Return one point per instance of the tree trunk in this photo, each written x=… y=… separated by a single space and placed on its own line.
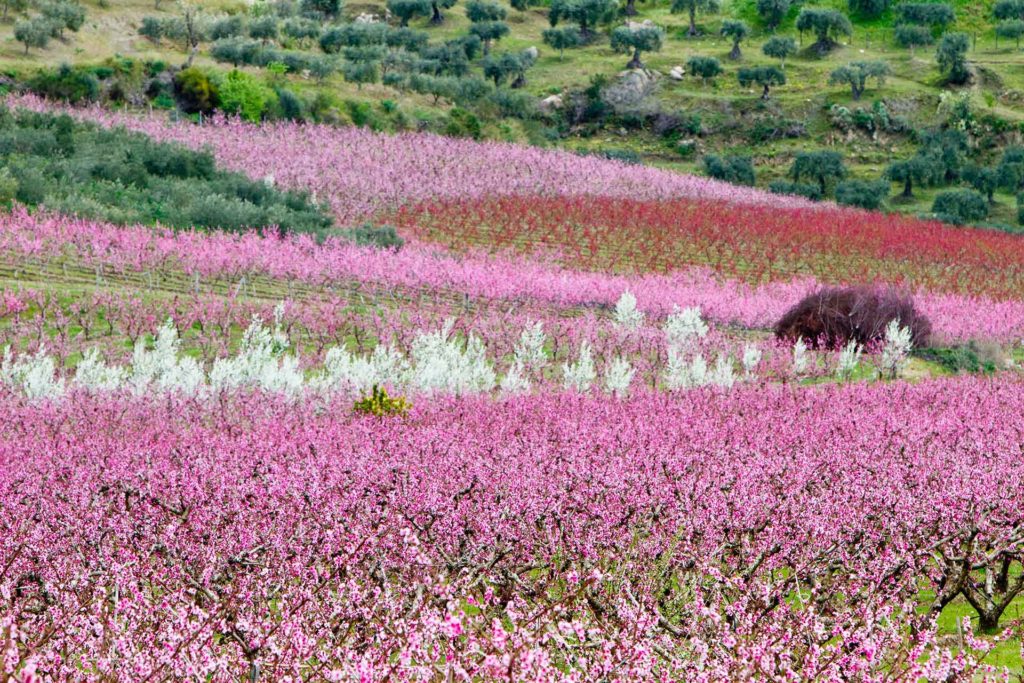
x=635 y=63
x=693 y=20
x=735 y=52
x=764 y=95
x=908 y=188
x=630 y=10
x=519 y=82
x=436 y=17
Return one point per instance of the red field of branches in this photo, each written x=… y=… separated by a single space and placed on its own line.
x=756 y=244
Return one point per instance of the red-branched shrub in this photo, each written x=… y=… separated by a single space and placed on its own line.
x=833 y=316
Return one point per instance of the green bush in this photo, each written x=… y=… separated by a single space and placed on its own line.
x=862 y=194
x=195 y=91
x=738 y=170
x=244 y=95
x=370 y=235
x=72 y=84
x=960 y=206
x=812 y=192
x=463 y=124
x=124 y=177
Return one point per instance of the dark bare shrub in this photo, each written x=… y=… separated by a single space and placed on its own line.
x=833 y=316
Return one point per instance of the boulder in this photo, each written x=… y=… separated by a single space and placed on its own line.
x=551 y=104
x=676 y=73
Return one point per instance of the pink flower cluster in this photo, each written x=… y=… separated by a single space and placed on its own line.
x=48 y=240
x=768 y=534
x=359 y=172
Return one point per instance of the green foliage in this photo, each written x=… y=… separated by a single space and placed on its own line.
x=1011 y=169
x=71 y=84
x=868 y=8
x=334 y=39
x=780 y=48
x=301 y=29
x=958 y=359
x=485 y=10
x=361 y=71
x=960 y=206
x=932 y=14
x=242 y=94
x=772 y=12
x=1008 y=9
x=637 y=39
x=952 y=57
x=983 y=179
x=586 y=14
x=812 y=192
x=463 y=124
x=264 y=28
x=737 y=31
x=489 y=31
x=152 y=28
x=377 y=236
x=908 y=172
x=764 y=76
x=379 y=404
x=227 y=27
x=692 y=7
x=563 y=38
x=35 y=32
x=195 y=91
x=827 y=24
x=1012 y=29
x=63 y=15
x=911 y=36
x=503 y=67
x=326 y=8
x=8 y=187
x=856 y=74
x=824 y=167
x=704 y=68
x=124 y=177
x=406 y=10
x=738 y=170
x=862 y=194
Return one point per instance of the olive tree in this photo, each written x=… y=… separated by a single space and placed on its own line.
x=908 y=35
x=737 y=31
x=763 y=76
x=584 y=13
x=738 y=170
x=822 y=167
x=692 y=7
x=908 y=172
x=406 y=10
x=952 y=57
x=772 y=12
x=856 y=75
x=704 y=68
x=34 y=32
x=826 y=24
x=1012 y=29
x=960 y=206
x=780 y=47
x=637 y=39
x=562 y=39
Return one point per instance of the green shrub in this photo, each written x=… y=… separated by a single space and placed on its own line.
x=378 y=236
x=378 y=403
x=195 y=91
x=738 y=170
x=862 y=194
x=812 y=192
x=72 y=84
x=124 y=177
x=244 y=95
x=463 y=124
x=960 y=206
x=958 y=359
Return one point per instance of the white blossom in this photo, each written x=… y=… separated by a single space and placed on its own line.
x=849 y=358
x=514 y=381
x=34 y=375
x=897 y=348
x=581 y=374
x=801 y=359
x=161 y=367
x=627 y=315
x=751 y=357
x=683 y=326
x=440 y=363
x=93 y=374
x=529 y=351
x=618 y=376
